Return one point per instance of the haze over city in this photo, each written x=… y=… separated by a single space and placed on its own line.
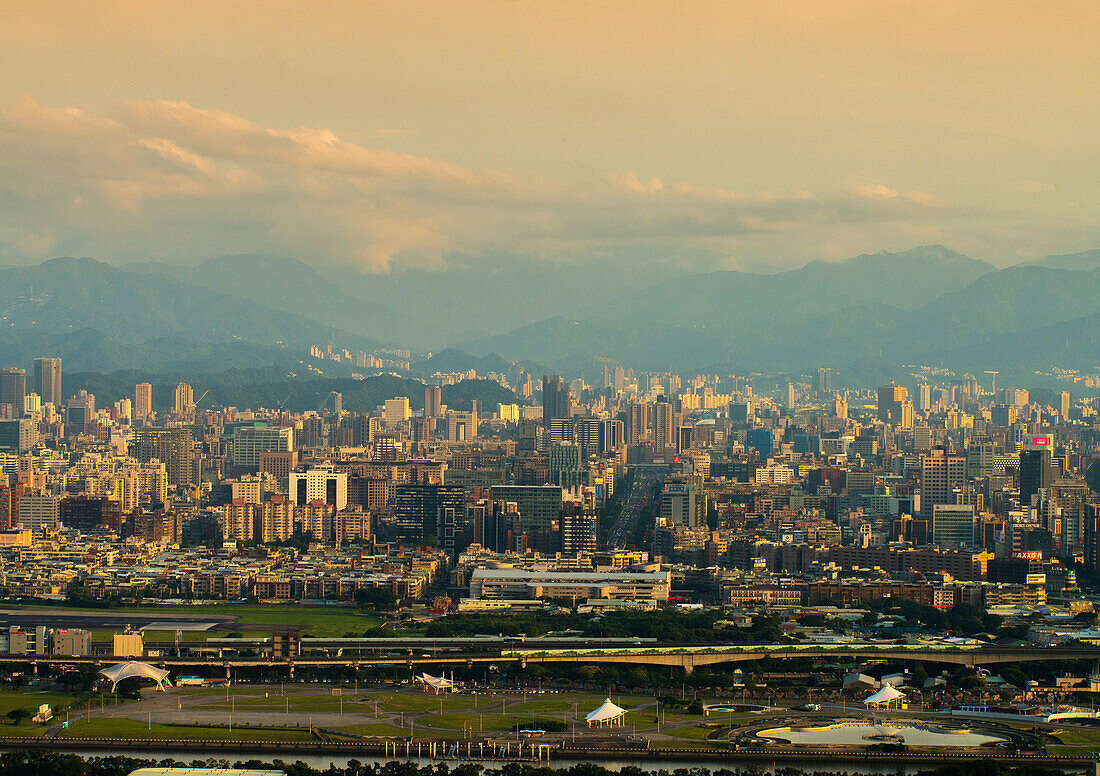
x=503 y=388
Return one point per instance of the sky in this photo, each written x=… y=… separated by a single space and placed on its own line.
x=393 y=134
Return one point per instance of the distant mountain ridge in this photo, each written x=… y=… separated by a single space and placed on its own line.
x=483 y=313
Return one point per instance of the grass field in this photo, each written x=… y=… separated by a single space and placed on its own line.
x=129 y=728
x=1076 y=742
x=31 y=700
x=394 y=702
x=317 y=621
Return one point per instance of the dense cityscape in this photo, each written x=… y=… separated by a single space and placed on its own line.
x=549 y=388
x=928 y=544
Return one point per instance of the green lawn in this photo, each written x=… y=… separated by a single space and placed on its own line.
x=26 y=730
x=31 y=699
x=129 y=728
x=548 y=706
x=1076 y=742
x=694 y=733
x=394 y=702
x=258 y=620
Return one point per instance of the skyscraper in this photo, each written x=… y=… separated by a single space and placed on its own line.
x=433 y=401
x=47 y=380
x=555 y=399
x=183 y=399
x=823 y=381
x=174 y=447
x=143 y=401
x=941 y=473
x=13 y=391
x=1034 y=471
x=664 y=424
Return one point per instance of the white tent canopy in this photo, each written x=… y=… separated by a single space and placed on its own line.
x=884 y=697
x=435 y=683
x=607 y=714
x=120 y=671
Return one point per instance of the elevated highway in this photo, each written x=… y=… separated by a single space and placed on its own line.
x=686 y=657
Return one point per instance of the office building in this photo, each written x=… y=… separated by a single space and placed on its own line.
x=823 y=382
x=13 y=391
x=47 y=380
x=143 y=401
x=890 y=400
x=461 y=426
x=494 y=524
x=416 y=508
x=79 y=412
x=396 y=411
x=174 y=447
x=539 y=505
x=941 y=474
x=433 y=401
x=683 y=505
x=38 y=511
x=953 y=526
x=319 y=483
x=555 y=399
x=1035 y=471
x=18 y=436
x=248 y=443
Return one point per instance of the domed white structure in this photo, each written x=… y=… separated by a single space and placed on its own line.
x=120 y=671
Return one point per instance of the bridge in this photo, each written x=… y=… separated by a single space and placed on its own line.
x=686 y=657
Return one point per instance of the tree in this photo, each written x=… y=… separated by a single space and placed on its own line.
x=377 y=598
x=17 y=716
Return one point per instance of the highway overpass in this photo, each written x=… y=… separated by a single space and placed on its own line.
x=686 y=657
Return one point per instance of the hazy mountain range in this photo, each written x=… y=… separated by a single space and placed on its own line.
x=926 y=305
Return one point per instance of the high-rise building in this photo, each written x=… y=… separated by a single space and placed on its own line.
x=174 y=447
x=13 y=392
x=319 y=483
x=433 y=401
x=47 y=380
x=683 y=505
x=637 y=423
x=953 y=525
x=890 y=399
x=397 y=411
x=823 y=382
x=494 y=524
x=18 y=436
x=416 y=508
x=924 y=398
x=249 y=442
x=143 y=401
x=183 y=399
x=941 y=474
x=1064 y=405
x=555 y=399
x=664 y=424
x=1034 y=471
x=790 y=396
x=79 y=412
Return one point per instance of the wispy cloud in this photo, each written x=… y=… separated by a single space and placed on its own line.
x=162 y=179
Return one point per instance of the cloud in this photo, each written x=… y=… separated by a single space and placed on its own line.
x=165 y=180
